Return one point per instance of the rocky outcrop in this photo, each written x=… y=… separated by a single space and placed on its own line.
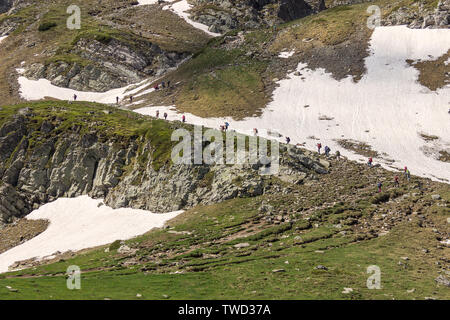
x=418 y=17
x=42 y=163
x=5 y=5
x=108 y=64
x=223 y=16
x=10 y=7
x=336 y=3
x=415 y=15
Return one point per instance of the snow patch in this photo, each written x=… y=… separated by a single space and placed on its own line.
x=81 y=223
x=3 y=38
x=39 y=89
x=181 y=8
x=148 y=2
x=286 y=54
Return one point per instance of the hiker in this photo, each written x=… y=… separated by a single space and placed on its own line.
x=183 y=118
x=288 y=140
x=369 y=163
x=131 y=99
x=255 y=131
x=338 y=155
x=156 y=87
x=327 y=151
x=379 y=186
x=226 y=125
x=319 y=146
x=117 y=100
x=408 y=175
x=165 y=115
x=168 y=83
x=163 y=84
x=222 y=127
x=396 y=183
x=74 y=97
x=157 y=113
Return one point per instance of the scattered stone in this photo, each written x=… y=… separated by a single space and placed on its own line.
x=242 y=245
x=165 y=296
x=139 y=295
x=179 y=232
x=347 y=290
x=411 y=291
x=321 y=267
x=436 y=197
x=443 y=280
x=278 y=270
x=124 y=249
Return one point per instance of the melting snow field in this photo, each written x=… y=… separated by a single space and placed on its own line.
x=79 y=223
x=386 y=109
x=3 y=38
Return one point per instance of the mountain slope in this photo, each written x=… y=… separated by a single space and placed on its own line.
x=254 y=245
x=309 y=70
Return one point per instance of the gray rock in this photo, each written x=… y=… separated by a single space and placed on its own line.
x=69 y=164
x=321 y=267
x=443 y=280
x=242 y=245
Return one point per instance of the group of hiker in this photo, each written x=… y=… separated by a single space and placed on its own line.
x=224 y=127
x=164 y=115
x=157 y=87
x=327 y=150
x=163 y=85
x=406 y=173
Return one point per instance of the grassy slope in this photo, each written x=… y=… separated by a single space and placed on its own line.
x=200 y=242
x=251 y=277
x=214 y=269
